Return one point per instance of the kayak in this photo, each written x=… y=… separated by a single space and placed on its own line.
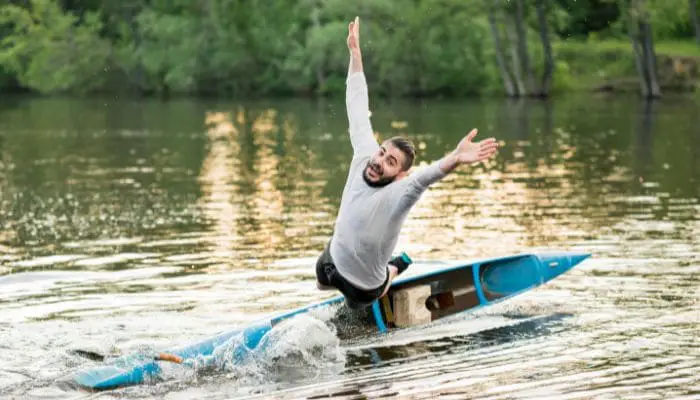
x=420 y=296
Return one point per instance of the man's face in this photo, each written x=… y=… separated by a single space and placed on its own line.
x=385 y=166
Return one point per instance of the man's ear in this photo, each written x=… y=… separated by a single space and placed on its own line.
x=402 y=175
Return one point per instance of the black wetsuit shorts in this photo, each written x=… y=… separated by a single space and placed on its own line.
x=327 y=274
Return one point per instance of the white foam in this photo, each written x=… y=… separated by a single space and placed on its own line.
x=301 y=347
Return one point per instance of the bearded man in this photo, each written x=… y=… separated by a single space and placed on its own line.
x=377 y=196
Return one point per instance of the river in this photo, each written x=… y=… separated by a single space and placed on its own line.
x=141 y=224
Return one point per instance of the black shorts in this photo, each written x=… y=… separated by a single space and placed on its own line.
x=327 y=274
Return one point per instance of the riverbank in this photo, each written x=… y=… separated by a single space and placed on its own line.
x=609 y=66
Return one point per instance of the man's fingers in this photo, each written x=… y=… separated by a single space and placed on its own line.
x=354 y=30
x=355 y=27
x=486 y=154
x=352 y=38
x=488 y=147
x=471 y=134
x=488 y=150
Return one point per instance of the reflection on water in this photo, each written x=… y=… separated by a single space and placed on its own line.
x=220 y=169
x=125 y=225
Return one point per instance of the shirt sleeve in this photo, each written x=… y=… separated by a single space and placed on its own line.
x=357 y=103
x=424 y=177
x=413 y=186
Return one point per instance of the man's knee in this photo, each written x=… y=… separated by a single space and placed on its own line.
x=321 y=286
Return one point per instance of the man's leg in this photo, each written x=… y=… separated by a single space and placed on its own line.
x=321 y=286
x=396 y=266
x=324 y=268
x=393 y=272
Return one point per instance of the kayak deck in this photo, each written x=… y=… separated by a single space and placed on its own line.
x=466 y=287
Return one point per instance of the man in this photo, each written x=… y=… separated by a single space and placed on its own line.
x=377 y=197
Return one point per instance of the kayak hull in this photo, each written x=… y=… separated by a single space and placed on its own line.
x=453 y=288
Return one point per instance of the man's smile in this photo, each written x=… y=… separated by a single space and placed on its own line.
x=372 y=172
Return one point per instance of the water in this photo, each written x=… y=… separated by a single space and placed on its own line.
x=139 y=225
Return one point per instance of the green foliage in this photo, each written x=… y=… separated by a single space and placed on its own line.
x=670 y=18
x=587 y=16
x=49 y=51
x=169 y=53
x=280 y=47
x=565 y=79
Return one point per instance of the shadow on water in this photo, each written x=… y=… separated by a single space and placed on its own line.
x=529 y=328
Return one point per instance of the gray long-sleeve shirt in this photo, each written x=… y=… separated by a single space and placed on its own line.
x=369 y=220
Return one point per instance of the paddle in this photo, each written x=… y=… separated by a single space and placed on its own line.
x=94 y=356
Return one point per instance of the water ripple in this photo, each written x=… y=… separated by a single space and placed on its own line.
x=153 y=233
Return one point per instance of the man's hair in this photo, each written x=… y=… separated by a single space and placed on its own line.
x=407 y=148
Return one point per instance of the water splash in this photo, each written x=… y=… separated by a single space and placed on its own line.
x=297 y=349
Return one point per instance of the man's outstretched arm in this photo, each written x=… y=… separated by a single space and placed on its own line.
x=357 y=98
x=466 y=152
x=469 y=152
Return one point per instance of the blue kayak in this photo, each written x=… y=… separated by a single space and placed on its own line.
x=413 y=299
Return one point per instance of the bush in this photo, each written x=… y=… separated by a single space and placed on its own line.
x=50 y=52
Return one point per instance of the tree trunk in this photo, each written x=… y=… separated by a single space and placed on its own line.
x=500 y=56
x=694 y=18
x=633 y=33
x=139 y=74
x=515 y=61
x=639 y=61
x=521 y=40
x=650 y=58
x=315 y=20
x=548 y=73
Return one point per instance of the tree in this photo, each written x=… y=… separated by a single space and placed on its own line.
x=521 y=46
x=640 y=33
x=316 y=22
x=498 y=47
x=49 y=51
x=519 y=78
x=548 y=72
x=694 y=18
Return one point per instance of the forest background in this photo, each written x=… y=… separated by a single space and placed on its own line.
x=413 y=48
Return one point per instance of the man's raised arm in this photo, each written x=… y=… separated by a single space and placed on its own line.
x=357 y=98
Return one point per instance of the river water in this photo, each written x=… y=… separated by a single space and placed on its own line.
x=129 y=226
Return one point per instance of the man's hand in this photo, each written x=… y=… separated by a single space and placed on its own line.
x=468 y=152
x=354 y=45
x=354 y=35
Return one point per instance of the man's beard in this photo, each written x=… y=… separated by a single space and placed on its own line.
x=378 y=184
